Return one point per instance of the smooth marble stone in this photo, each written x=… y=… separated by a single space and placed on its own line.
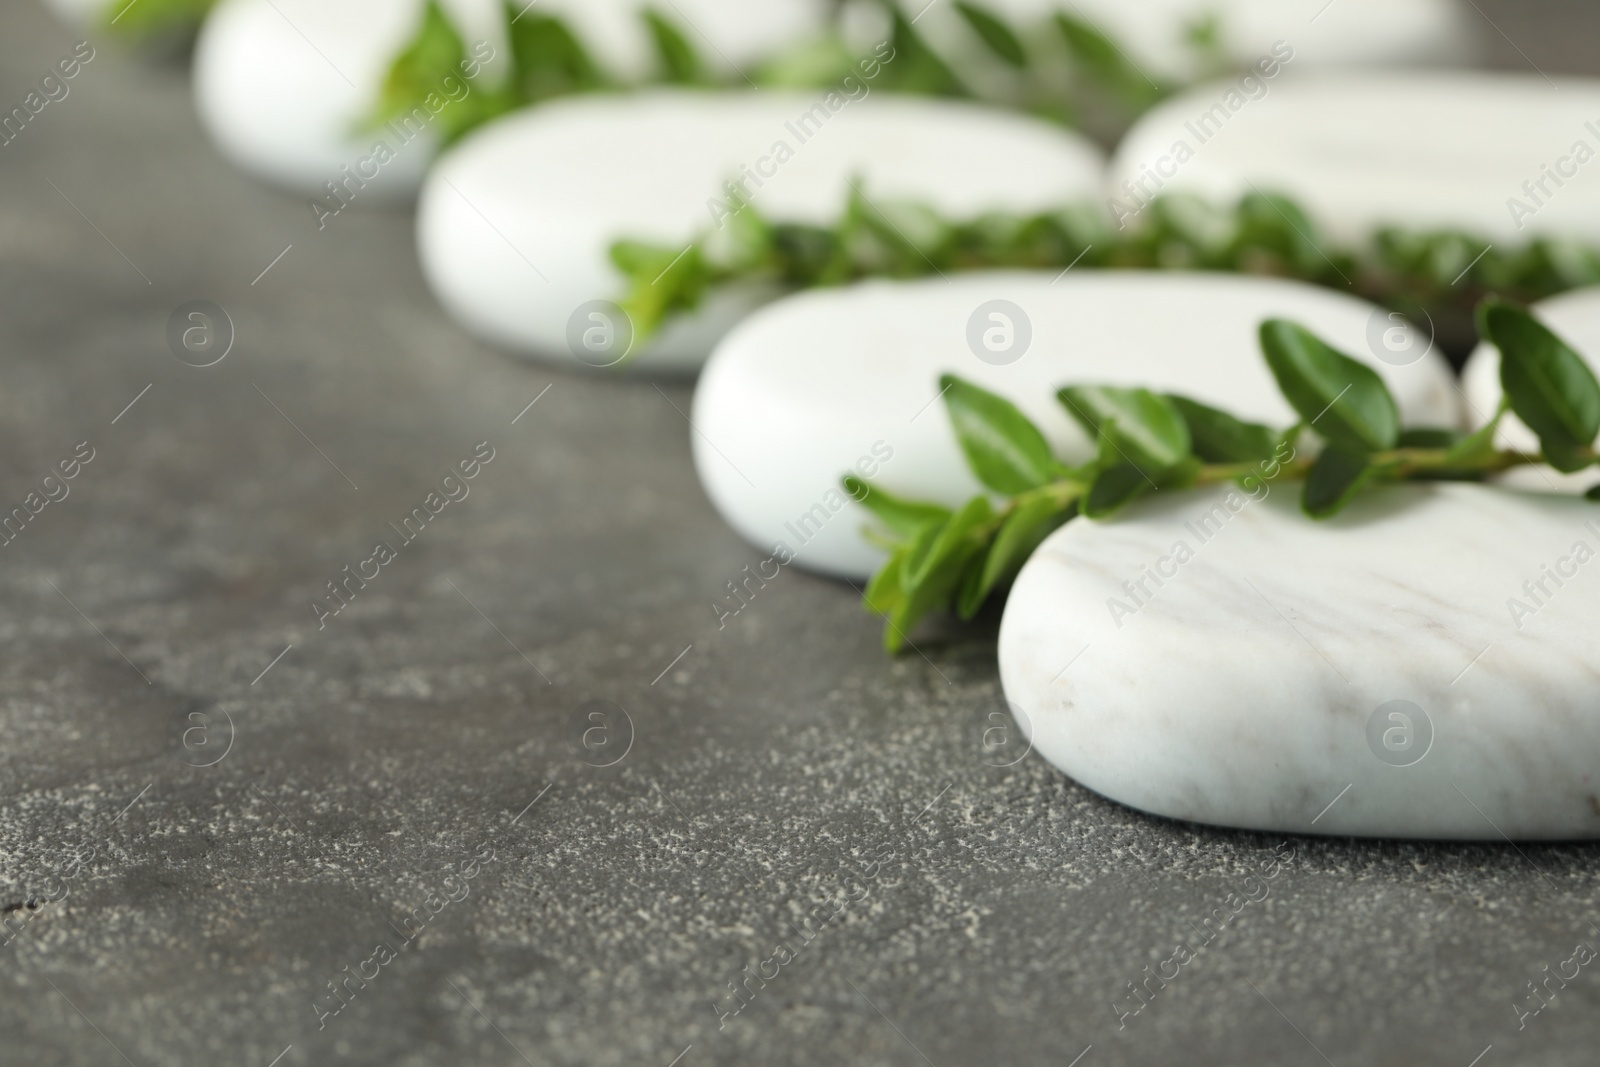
x=1153 y=32
x=1359 y=151
x=284 y=85
x=1575 y=317
x=1253 y=688
x=516 y=224
x=807 y=389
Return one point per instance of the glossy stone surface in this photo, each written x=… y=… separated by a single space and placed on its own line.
x=1216 y=656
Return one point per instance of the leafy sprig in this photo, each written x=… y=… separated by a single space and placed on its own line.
x=1433 y=275
x=1348 y=438
x=1066 y=70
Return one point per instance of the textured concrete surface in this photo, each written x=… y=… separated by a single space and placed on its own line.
x=192 y=850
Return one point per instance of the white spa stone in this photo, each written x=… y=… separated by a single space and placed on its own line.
x=1253 y=688
x=1575 y=317
x=515 y=225
x=283 y=85
x=804 y=390
x=1358 y=151
x=1347 y=33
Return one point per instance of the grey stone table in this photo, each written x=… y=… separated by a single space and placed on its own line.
x=585 y=824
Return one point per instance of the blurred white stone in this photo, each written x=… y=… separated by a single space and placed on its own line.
x=516 y=224
x=804 y=390
x=1398 y=671
x=284 y=86
x=1358 y=151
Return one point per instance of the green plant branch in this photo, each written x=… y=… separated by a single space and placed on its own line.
x=1433 y=276
x=1146 y=442
x=1062 y=69
x=1400 y=464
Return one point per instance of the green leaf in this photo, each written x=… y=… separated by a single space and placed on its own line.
x=1113 y=489
x=884 y=592
x=434 y=53
x=1550 y=387
x=1335 y=478
x=1479 y=444
x=547 y=58
x=1146 y=428
x=930 y=569
x=940 y=548
x=913 y=67
x=803 y=252
x=902 y=517
x=1000 y=38
x=680 y=63
x=1565 y=458
x=1004 y=449
x=1593 y=493
x=1343 y=400
x=1021 y=532
x=662 y=281
x=1106 y=64
x=1220 y=437
x=1272 y=224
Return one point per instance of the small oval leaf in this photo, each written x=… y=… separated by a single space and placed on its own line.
x=680 y=63
x=902 y=517
x=1000 y=38
x=1340 y=398
x=1220 y=437
x=1549 y=385
x=1021 y=532
x=1146 y=429
x=1114 y=489
x=1004 y=449
x=1334 y=480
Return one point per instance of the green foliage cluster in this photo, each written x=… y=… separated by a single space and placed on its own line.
x=1438 y=276
x=548 y=59
x=941 y=558
x=1068 y=71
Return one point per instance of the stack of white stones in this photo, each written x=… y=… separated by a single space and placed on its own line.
x=1416 y=667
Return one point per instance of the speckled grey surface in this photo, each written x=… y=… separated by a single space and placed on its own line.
x=779 y=771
